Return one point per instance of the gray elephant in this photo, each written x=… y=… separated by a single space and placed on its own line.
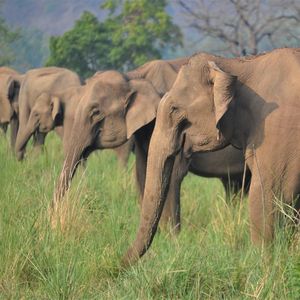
x=47 y=100
x=10 y=81
x=114 y=107
x=251 y=103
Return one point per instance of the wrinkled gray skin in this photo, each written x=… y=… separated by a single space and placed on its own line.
x=252 y=103
x=115 y=107
x=10 y=81
x=47 y=100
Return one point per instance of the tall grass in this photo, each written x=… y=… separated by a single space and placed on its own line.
x=212 y=257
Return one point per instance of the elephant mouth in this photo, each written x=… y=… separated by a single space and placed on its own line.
x=4 y=123
x=87 y=151
x=4 y=126
x=45 y=129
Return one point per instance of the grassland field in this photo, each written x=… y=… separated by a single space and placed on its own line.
x=211 y=258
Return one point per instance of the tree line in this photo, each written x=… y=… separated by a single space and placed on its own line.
x=136 y=31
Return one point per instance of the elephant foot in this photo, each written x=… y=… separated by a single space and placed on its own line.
x=169 y=226
x=20 y=155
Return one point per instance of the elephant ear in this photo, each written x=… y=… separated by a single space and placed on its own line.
x=224 y=85
x=56 y=107
x=13 y=89
x=141 y=105
x=159 y=72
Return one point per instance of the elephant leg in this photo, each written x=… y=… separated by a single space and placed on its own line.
x=4 y=128
x=297 y=211
x=231 y=186
x=140 y=168
x=140 y=146
x=261 y=210
x=14 y=127
x=234 y=185
x=39 y=140
x=171 y=211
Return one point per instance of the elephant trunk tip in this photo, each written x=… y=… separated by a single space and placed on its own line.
x=61 y=189
x=137 y=250
x=130 y=258
x=20 y=155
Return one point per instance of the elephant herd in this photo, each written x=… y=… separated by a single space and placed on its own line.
x=234 y=119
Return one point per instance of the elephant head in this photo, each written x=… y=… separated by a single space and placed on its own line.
x=194 y=116
x=9 y=91
x=43 y=117
x=45 y=113
x=111 y=109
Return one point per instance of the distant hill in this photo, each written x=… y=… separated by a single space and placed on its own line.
x=40 y=19
x=52 y=17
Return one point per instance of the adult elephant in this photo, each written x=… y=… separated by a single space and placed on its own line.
x=251 y=103
x=10 y=81
x=116 y=106
x=47 y=100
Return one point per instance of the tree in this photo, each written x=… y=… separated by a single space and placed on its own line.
x=141 y=30
x=7 y=37
x=84 y=48
x=134 y=32
x=291 y=30
x=239 y=27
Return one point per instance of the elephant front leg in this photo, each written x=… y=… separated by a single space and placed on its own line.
x=233 y=186
x=4 y=129
x=14 y=127
x=140 y=170
x=171 y=211
x=261 y=211
x=39 y=140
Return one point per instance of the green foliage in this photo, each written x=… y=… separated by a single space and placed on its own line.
x=7 y=37
x=83 y=49
x=138 y=33
x=211 y=258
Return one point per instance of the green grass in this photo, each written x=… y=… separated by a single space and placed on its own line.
x=212 y=257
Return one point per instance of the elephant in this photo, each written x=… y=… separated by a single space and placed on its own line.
x=47 y=100
x=116 y=106
x=251 y=103
x=10 y=81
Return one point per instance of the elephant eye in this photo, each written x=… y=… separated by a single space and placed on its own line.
x=96 y=115
x=95 y=112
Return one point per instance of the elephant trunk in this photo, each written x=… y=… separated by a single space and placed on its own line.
x=22 y=140
x=14 y=127
x=159 y=168
x=72 y=160
x=75 y=148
